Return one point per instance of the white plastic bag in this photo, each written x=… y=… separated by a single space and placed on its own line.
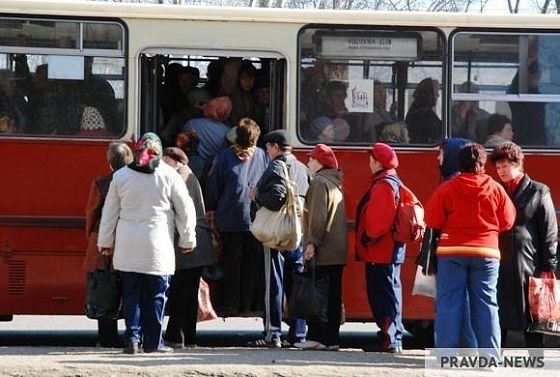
x=424 y=285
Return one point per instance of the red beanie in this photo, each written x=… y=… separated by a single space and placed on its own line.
x=385 y=155
x=325 y=156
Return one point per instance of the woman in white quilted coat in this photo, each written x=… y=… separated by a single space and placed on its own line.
x=146 y=201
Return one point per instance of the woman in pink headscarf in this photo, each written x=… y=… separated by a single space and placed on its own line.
x=146 y=202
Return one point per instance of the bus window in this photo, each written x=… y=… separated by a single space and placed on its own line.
x=512 y=74
x=361 y=86
x=55 y=84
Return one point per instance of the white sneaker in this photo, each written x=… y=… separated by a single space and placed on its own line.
x=310 y=345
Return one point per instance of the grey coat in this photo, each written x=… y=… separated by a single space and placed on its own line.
x=526 y=250
x=204 y=254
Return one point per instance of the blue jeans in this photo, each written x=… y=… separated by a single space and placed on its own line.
x=144 y=298
x=476 y=277
x=468 y=338
x=384 y=289
x=276 y=293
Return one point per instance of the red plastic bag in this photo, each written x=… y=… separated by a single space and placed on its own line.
x=544 y=304
x=205 y=309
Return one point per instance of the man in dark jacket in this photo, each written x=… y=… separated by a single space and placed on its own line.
x=271 y=192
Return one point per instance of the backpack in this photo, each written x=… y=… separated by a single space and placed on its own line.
x=409 y=224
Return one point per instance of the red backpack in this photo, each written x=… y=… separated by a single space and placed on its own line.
x=409 y=222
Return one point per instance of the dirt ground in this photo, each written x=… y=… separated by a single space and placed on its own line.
x=78 y=362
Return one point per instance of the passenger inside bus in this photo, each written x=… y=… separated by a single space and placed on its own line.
x=326 y=130
x=499 y=130
x=196 y=99
x=468 y=120
x=394 y=133
x=214 y=74
x=380 y=116
x=179 y=82
x=243 y=102
x=14 y=108
x=261 y=94
x=43 y=103
x=525 y=113
x=95 y=91
x=228 y=81
x=211 y=132
x=423 y=123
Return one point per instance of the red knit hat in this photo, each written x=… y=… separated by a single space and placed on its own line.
x=385 y=155
x=325 y=156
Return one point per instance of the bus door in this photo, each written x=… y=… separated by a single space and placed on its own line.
x=176 y=84
x=62 y=99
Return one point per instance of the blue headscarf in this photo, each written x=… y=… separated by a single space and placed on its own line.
x=451 y=148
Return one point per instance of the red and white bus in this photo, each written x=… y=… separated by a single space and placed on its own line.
x=58 y=59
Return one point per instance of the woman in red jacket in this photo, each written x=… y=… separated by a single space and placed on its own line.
x=470 y=209
x=376 y=246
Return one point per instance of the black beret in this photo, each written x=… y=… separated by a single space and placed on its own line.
x=280 y=137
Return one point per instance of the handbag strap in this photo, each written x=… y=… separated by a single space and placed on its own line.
x=291 y=202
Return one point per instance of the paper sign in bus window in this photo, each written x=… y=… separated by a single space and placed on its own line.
x=359 y=98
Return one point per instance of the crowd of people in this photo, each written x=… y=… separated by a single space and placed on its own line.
x=165 y=215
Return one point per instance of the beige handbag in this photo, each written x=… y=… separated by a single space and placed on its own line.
x=279 y=230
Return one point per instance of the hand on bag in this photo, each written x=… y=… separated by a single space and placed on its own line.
x=309 y=252
x=106 y=251
x=253 y=193
x=185 y=250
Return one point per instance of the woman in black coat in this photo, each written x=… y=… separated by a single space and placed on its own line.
x=529 y=248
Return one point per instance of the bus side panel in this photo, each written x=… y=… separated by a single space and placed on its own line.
x=42 y=238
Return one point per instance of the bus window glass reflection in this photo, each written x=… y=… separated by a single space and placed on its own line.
x=513 y=74
x=366 y=79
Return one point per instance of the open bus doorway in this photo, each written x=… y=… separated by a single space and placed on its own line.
x=174 y=91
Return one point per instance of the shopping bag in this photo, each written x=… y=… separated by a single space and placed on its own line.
x=104 y=293
x=279 y=230
x=310 y=296
x=205 y=309
x=424 y=285
x=544 y=304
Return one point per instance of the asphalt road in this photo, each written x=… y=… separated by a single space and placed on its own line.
x=78 y=331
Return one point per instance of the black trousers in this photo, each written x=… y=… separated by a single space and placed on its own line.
x=243 y=262
x=532 y=339
x=108 y=333
x=183 y=306
x=328 y=332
